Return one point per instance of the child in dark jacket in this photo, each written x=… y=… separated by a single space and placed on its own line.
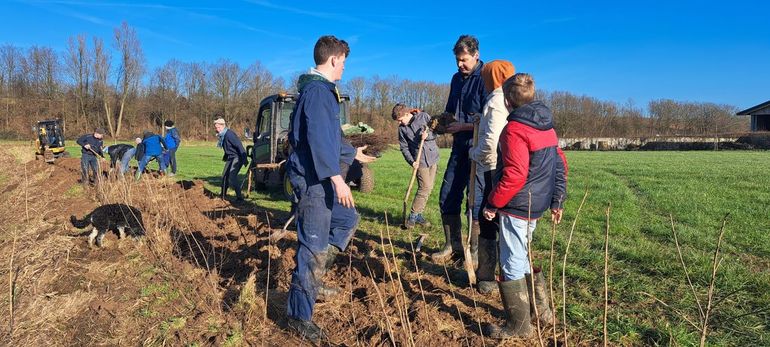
x=531 y=178
x=173 y=140
x=412 y=129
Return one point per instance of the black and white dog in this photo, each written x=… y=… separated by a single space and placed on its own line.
x=121 y=218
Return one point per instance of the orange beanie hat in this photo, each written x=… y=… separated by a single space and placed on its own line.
x=495 y=72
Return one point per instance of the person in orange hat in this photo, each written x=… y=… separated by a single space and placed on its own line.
x=493 y=119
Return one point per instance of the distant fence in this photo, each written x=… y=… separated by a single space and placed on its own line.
x=726 y=141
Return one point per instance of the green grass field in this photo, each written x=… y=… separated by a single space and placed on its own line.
x=644 y=189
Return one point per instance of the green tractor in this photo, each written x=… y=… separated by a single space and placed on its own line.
x=268 y=154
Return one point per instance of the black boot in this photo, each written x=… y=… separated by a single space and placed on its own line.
x=452 y=239
x=516 y=304
x=307 y=330
x=485 y=273
x=327 y=292
x=540 y=298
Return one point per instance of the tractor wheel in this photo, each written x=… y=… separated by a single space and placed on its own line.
x=367 y=179
x=65 y=154
x=288 y=191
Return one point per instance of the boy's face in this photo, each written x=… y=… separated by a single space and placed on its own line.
x=98 y=136
x=466 y=62
x=338 y=67
x=404 y=120
x=219 y=127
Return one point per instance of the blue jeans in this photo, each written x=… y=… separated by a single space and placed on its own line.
x=514 y=234
x=230 y=177
x=456 y=177
x=145 y=160
x=125 y=160
x=321 y=221
x=88 y=161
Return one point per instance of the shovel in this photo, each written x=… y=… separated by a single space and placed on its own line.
x=411 y=182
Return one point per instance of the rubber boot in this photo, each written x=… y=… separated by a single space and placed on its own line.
x=327 y=292
x=516 y=305
x=307 y=330
x=452 y=239
x=475 y=243
x=540 y=298
x=485 y=273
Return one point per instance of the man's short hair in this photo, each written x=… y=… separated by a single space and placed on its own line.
x=519 y=89
x=328 y=46
x=466 y=44
x=99 y=131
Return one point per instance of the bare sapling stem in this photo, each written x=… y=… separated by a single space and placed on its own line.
x=400 y=283
x=714 y=268
x=550 y=276
x=606 y=272
x=564 y=270
x=684 y=267
x=382 y=305
x=532 y=269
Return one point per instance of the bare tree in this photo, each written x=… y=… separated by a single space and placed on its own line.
x=78 y=63
x=130 y=69
x=9 y=61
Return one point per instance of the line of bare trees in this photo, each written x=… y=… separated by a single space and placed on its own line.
x=97 y=83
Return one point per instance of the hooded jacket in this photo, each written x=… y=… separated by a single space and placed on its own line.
x=153 y=144
x=315 y=132
x=494 y=114
x=529 y=161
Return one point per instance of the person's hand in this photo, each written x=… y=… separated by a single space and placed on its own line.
x=87 y=146
x=363 y=158
x=424 y=134
x=556 y=215
x=344 y=196
x=489 y=213
x=416 y=164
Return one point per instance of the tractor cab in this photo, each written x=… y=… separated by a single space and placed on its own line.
x=270 y=150
x=49 y=140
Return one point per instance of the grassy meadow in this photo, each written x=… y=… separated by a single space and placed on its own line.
x=650 y=301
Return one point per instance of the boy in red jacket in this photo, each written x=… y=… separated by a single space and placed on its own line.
x=531 y=178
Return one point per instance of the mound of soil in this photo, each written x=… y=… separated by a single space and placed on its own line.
x=207 y=273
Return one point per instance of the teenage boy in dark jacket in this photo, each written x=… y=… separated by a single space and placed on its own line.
x=466 y=102
x=173 y=140
x=326 y=215
x=153 y=149
x=531 y=177
x=91 y=146
x=234 y=157
x=413 y=129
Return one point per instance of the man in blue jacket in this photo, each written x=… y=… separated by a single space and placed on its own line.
x=153 y=149
x=326 y=214
x=173 y=140
x=235 y=157
x=466 y=101
x=91 y=146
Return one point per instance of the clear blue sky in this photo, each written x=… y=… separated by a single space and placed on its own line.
x=683 y=50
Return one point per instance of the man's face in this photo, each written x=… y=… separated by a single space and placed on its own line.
x=466 y=62
x=338 y=66
x=219 y=127
x=98 y=136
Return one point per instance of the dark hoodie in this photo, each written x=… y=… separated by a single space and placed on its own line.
x=315 y=130
x=529 y=161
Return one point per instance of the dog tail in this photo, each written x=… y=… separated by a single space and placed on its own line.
x=80 y=224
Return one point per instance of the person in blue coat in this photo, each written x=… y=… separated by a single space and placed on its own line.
x=466 y=102
x=235 y=157
x=153 y=149
x=326 y=214
x=91 y=147
x=173 y=140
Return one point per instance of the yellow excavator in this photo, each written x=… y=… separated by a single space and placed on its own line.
x=49 y=142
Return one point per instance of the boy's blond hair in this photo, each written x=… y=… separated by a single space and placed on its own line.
x=519 y=89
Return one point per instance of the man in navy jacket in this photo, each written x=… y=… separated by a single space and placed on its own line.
x=234 y=158
x=466 y=101
x=326 y=216
x=91 y=146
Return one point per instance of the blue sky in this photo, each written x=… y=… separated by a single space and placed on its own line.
x=683 y=50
